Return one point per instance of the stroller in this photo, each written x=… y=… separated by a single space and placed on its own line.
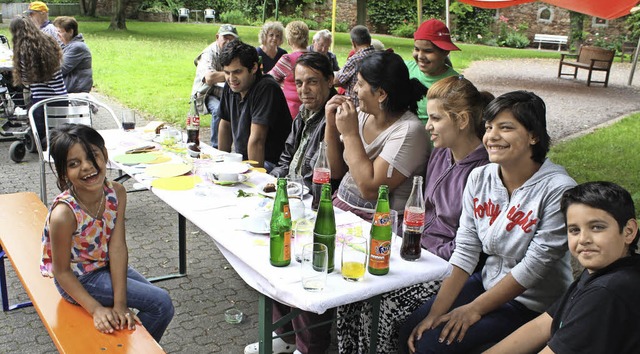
x=13 y=112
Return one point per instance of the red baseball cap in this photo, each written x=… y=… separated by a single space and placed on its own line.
x=437 y=32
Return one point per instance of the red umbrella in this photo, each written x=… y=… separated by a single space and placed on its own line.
x=598 y=8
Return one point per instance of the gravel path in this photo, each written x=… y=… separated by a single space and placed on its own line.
x=572 y=106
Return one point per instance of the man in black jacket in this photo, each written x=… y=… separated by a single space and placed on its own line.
x=314 y=80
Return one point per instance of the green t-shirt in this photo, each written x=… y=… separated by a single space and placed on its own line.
x=414 y=71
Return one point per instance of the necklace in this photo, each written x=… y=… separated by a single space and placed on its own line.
x=97 y=208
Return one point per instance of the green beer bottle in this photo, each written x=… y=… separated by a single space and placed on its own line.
x=380 y=235
x=324 y=230
x=280 y=228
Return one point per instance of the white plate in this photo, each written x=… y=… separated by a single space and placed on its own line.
x=291 y=189
x=256 y=225
x=241 y=178
x=229 y=167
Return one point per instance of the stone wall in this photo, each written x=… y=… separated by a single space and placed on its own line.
x=559 y=23
x=155 y=16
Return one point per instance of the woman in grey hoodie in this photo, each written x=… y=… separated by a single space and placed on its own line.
x=76 y=57
x=511 y=212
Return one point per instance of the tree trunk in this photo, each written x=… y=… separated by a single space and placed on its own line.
x=576 y=35
x=118 y=20
x=91 y=10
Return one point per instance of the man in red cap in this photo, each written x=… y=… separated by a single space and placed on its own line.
x=431 y=47
x=38 y=12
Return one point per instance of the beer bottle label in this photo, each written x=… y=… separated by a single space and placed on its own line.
x=381 y=219
x=286 y=212
x=414 y=217
x=379 y=255
x=287 y=245
x=321 y=175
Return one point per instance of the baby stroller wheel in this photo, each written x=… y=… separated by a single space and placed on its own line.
x=17 y=151
x=29 y=142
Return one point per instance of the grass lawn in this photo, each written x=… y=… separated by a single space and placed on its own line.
x=150 y=68
x=608 y=154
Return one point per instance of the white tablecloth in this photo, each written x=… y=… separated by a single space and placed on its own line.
x=220 y=214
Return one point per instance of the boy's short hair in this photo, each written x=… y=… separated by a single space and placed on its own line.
x=530 y=111
x=247 y=54
x=606 y=196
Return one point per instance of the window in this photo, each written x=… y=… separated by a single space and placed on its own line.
x=545 y=15
x=599 y=22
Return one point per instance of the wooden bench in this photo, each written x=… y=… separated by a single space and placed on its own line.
x=627 y=48
x=589 y=58
x=22 y=217
x=550 y=39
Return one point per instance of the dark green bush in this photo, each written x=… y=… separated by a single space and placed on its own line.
x=235 y=17
x=405 y=30
x=516 y=40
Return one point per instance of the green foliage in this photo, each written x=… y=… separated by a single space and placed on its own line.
x=385 y=15
x=405 y=30
x=516 y=40
x=158 y=6
x=340 y=26
x=606 y=42
x=313 y=25
x=633 y=26
x=235 y=17
x=471 y=24
x=512 y=36
x=596 y=157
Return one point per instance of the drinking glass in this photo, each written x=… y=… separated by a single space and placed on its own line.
x=303 y=235
x=314 y=266
x=295 y=191
x=354 y=258
x=128 y=119
x=395 y=236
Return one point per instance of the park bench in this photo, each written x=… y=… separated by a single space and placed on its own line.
x=550 y=39
x=627 y=48
x=589 y=58
x=22 y=217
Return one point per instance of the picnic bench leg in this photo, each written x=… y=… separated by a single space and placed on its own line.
x=182 y=252
x=265 y=324
x=3 y=288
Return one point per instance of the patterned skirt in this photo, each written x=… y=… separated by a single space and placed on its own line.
x=354 y=320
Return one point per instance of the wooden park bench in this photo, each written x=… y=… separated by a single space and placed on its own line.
x=627 y=48
x=550 y=39
x=22 y=217
x=589 y=58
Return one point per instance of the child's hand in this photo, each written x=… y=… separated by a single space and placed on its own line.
x=105 y=320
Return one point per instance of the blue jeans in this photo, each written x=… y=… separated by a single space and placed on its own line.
x=153 y=303
x=213 y=103
x=491 y=328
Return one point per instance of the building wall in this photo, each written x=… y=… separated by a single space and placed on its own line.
x=560 y=23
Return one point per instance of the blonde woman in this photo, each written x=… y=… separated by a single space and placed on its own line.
x=270 y=37
x=297 y=34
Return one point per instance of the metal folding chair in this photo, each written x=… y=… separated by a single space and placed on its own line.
x=183 y=12
x=210 y=14
x=65 y=109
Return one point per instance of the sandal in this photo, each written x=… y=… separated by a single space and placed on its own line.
x=279 y=347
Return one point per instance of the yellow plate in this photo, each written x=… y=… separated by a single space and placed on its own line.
x=167 y=170
x=180 y=183
x=134 y=159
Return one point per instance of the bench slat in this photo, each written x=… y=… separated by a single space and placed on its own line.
x=22 y=217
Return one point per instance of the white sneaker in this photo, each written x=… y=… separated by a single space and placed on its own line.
x=279 y=347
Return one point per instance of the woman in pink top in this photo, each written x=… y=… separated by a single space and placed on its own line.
x=83 y=243
x=297 y=34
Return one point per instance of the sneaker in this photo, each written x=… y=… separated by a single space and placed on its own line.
x=279 y=347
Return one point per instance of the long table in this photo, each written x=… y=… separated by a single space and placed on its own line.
x=220 y=214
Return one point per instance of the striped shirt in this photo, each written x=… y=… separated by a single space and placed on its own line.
x=51 y=88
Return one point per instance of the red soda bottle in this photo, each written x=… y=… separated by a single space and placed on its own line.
x=193 y=127
x=321 y=174
x=413 y=223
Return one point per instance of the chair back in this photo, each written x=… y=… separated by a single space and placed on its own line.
x=209 y=13
x=183 y=12
x=75 y=108
x=603 y=57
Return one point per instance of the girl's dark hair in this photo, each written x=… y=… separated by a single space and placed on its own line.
x=387 y=71
x=36 y=55
x=247 y=54
x=63 y=138
x=458 y=95
x=530 y=111
x=606 y=196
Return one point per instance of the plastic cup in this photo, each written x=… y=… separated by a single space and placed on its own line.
x=128 y=119
x=233 y=316
x=314 y=267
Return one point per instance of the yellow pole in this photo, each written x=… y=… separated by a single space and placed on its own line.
x=419 y=13
x=333 y=24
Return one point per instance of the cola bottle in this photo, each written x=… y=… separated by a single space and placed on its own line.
x=321 y=174
x=413 y=223
x=193 y=126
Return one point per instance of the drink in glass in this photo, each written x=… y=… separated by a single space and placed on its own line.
x=354 y=258
x=314 y=266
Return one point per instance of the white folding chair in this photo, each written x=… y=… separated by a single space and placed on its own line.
x=66 y=109
x=210 y=14
x=183 y=12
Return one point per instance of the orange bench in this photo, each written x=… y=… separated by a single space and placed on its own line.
x=589 y=58
x=22 y=217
